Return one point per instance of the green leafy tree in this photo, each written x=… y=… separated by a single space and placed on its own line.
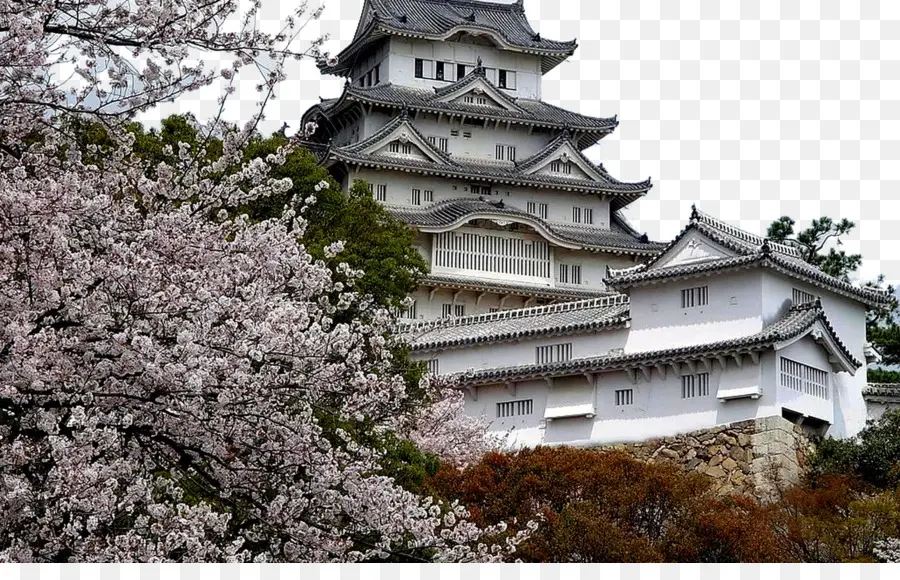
x=883 y=330
x=873 y=456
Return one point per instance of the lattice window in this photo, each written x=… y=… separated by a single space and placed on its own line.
x=694 y=297
x=515 y=408
x=542 y=211
x=801 y=297
x=480 y=189
x=531 y=208
x=563 y=167
x=433 y=366
x=459 y=310
x=804 y=378
x=416 y=197
x=488 y=253
x=569 y=274
x=624 y=397
x=429 y=195
x=582 y=215
x=553 y=353
x=381 y=192
x=695 y=386
x=394 y=147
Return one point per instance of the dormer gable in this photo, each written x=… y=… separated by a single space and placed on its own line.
x=562 y=160
x=693 y=248
x=400 y=139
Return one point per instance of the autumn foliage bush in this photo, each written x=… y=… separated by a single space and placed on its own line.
x=607 y=507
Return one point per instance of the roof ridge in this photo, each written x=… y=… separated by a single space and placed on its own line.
x=743 y=235
x=598 y=302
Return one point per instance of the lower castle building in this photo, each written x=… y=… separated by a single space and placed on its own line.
x=721 y=326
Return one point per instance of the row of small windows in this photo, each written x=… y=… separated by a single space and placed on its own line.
x=695 y=297
x=398 y=147
x=416 y=196
x=569 y=274
x=553 y=353
x=440 y=70
x=561 y=167
x=515 y=408
x=695 y=386
x=582 y=215
x=804 y=378
x=371 y=78
x=801 y=297
x=453 y=310
x=539 y=210
x=505 y=152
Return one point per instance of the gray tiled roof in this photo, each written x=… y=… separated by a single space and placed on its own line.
x=451 y=212
x=794 y=323
x=553 y=320
x=528 y=112
x=511 y=288
x=752 y=251
x=437 y=19
x=622 y=193
x=882 y=391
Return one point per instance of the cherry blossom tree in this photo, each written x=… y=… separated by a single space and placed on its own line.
x=171 y=373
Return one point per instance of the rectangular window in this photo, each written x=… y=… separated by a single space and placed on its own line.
x=694 y=297
x=467 y=134
x=505 y=152
x=460 y=71
x=394 y=147
x=542 y=211
x=569 y=274
x=416 y=197
x=492 y=310
x=454 y=132
x=459 y=310
x=442 y=144
x=515 y=408
x=531 y=208
x=429 y=195
x=801 y=297
x=481 y=189
x=560 y=167
x=446 y=310
x=510 y=153
x=804 y=378
x=420 y=68
x=501 y=79
x=491 y=74
x=408 y=313
x=381 y=193
x=369 y=79
x=695 y=386
x=582 y=215
x=499 y=150
x=406 y=148
x=553 y=353
x=371 y=189
x=439 y=70
x=433 y=366
x=377 y=73
x=624 y=397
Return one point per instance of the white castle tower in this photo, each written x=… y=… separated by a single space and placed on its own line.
x=442 y=115
x=563 y=323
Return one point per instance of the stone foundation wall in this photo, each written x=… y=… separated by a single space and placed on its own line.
x=751 y=457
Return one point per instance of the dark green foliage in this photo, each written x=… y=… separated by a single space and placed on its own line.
x=883 y=376
x=812 y=241
x=883 y=331
x=873 y=456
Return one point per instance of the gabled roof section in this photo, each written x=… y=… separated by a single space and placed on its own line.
x=529 y=112
x=399 y=129
x=505 y=24
x=521 y=289
x=542 y=321
x=882 y=392
x=741 y=249
x=476 y=83
x=564 y=149
x=451 y=214
x=796 y=323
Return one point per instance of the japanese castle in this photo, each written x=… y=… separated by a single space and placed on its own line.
x=561 y=321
